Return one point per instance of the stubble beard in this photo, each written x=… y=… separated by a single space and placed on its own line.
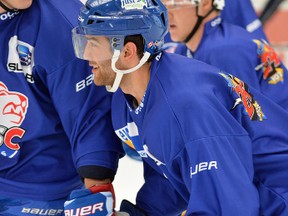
x=104 y=75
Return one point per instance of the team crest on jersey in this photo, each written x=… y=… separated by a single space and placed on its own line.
x=130 y=136
x=13 y=111
x=270 y=63
x=133 y=4
x=252 y=108
x=21 y=58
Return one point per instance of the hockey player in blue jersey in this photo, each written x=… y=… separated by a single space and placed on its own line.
x=206 y=37
x=237 y=12
x=240 y=13
x=210 y=143
x=55 y=125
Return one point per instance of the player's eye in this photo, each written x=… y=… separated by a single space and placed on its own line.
x=93 y=44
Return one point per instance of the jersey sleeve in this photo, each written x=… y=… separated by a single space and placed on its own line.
x=266 y=124
x=240 y=145
x=82 y=107
x=84 y=110
x=235 y=137
x=218 y=172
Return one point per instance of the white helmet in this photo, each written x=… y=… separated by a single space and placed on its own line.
x=219 y=4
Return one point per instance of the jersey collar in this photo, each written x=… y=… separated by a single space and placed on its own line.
x=212 y=24
x=6 y=16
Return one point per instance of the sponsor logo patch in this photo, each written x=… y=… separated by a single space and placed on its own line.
x=20 y=58
x=133 y=4
x=270 y=63
x=252 y=108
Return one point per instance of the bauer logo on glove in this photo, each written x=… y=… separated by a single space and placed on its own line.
x=97 y=200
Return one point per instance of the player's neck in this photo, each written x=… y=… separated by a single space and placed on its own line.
x=2 y=10
x=136 y=83
x=194 y=42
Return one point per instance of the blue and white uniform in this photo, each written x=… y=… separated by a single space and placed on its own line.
x=53 y=121
x=234 y=50
x=210 y=143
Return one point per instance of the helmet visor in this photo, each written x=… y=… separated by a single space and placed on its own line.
x=95 y=47
x=174 y=4
x=79 y=43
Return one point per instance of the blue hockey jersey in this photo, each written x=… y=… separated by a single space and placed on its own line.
x=53 y=119
x=242 y=13
x=234 y=50
x=210 y=143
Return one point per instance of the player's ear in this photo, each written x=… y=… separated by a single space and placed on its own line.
x=130 y=51
x=205 y=6
x=206 y=2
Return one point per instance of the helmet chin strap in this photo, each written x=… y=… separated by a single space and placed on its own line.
x=116 y=83
x=120 y=73
x=198 y=23
x=6 y=8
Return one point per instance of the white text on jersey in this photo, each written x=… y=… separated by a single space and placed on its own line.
x=202 y=167
x=84 y=83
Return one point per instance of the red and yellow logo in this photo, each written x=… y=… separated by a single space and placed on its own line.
x=270 y=63
x=252 y=108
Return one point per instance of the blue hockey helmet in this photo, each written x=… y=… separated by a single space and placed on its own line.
x=117 y=19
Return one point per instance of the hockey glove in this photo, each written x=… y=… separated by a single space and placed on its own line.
x=98 y=200
x=131 y=209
